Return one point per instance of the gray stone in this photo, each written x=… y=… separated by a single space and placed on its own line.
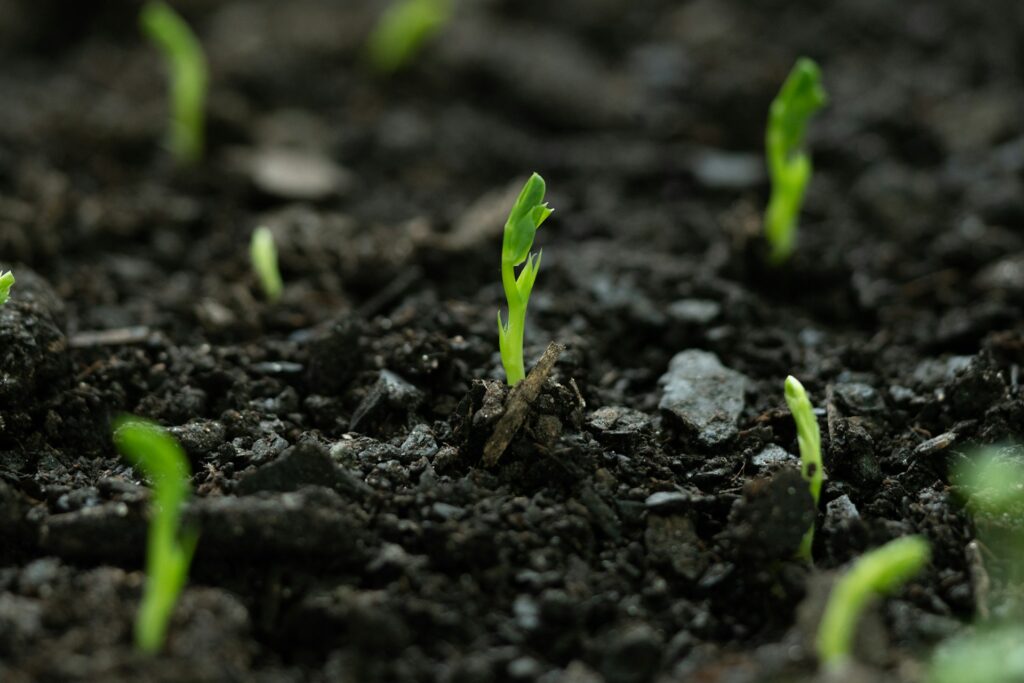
x=526 y=612
x=859 y=399
x=703 y=396
x=391 y=394
x=773 y=456
x=1006 y=274
x=297 y=174
x=694 y=311
x=671 y=500
x=932 y=371
x=619 y=428
x=720 y=169
x=420 y=443
x=304 y=464
x=840 y=512
x=199 y=437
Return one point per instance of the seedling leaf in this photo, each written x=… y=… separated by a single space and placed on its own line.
x=882 y=570
x=169 y=548
x=6 y=282
x=403 y=29
x=187 y=68
x=527 y=214
x=808 y=436
x=263 y=255
x=789 y=166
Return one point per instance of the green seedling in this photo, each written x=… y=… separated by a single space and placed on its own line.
x=6 y=282
x=263 y=255
x=402 y=31
x=808 y=436
x=992 y=481
x=992 y=655
x=789 y=165
x=528 y=213
x=188 y=75
x=169 y=548
x=880 y=571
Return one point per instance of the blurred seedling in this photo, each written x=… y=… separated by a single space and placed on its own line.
x=789 y=165
x=169 y=548
x=991 y=654
x=878 y=572
x=528 y=213
x=992 y=482
x=6 y=282
x=808 y=437
x=263 y=255
x=187 y=70
x=402 y=31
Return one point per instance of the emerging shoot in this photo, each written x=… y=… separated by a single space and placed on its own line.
x=6 y=282
x=188 y=74
x=808 y=436
x=789 y=165
x=403 y=29
x=263 y=255
x=991 y=654
x=169 y=548
x=882 y=570
x=529 y=211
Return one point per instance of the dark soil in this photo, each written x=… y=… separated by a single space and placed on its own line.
x=641 y=524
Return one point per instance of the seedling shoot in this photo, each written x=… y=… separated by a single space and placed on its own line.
x=880 y=571
x=188 y=78
x=403 y=29
x=263 y=255
x=789 y=165
x=808 y=436
x=169 y=548
x=528 y=213
x=6 y=282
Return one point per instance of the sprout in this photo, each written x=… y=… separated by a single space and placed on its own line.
x=263 y=255
x=187 y=66
x=169 y=548
x=527 y=214
x=403 y=29
x=6 y=282
x=789 y=166
x=992 y=480
x=808 y=436
x=992 y=655
x=882 y=570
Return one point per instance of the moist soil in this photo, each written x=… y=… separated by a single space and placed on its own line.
x=640 y=522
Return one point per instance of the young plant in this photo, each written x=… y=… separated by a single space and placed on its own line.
x=808 y=436
x=991 y=654
x=789 y=165
x=403 y=29
x=188 y=74
x=529 y=211
x=263 y=255
x=6 y=282
x=992 y=481
x=169 y=548
x=880 y=571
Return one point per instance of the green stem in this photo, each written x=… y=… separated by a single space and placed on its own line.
x=512 y=357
